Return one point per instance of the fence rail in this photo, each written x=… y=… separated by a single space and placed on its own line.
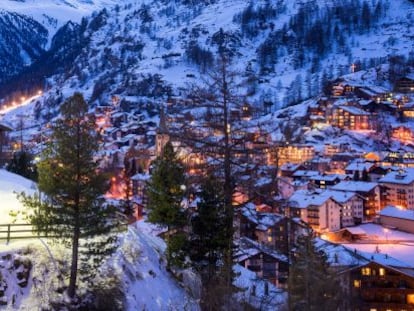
x=18 y=231
x=10 y=232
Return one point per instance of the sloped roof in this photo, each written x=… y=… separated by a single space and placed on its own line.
x=405 y=177
x=355 y=186
x=249 y=248
x=392 y=211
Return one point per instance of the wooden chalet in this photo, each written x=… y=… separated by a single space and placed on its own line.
x=405 y=84
x=375 y=286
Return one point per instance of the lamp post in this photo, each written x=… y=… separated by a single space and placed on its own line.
x=386 y=230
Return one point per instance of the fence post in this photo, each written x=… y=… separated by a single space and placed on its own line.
x=8 y=233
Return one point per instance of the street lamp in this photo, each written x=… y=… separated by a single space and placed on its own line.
x=386 y=230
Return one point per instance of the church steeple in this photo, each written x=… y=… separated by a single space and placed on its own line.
x=162 y=136
x=162 y=126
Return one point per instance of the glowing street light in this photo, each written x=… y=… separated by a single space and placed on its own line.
x=386 y=230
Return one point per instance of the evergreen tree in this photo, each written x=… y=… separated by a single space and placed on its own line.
x=71 y=208
x=365 y=175
x=356 y=176
x=165 y=194
x=23 y=164
x=209 y=241
x=312 y=286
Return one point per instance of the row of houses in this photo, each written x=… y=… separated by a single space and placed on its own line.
x=369 y=280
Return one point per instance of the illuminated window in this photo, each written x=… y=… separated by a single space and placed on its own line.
x=269 y=239
x=382 y=271
x=372 y=309
x=366 y=271
x=410 y=299
x=357 y=283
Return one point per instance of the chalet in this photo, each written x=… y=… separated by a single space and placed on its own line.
x=379 y=286
x=288 y=169
x=317 y=209
x=324 y=181
x=351 y=118
x=268 y=228
x=340 y=160
x=408 y=110
x=403 y=134
x=369 y=191
x=351 y=206
x=368 y=105
x=359 y=166
x=295 y=153
x=304 y=175
x=376 y=93
x=265 y=262
x=399 y=188
x=399 y=158
x=405 y=84
x=377 y=173
x=332 y=149
x=394 y=217
x=320 y=164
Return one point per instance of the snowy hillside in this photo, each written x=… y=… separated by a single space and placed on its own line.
x=152 y=49
x=53 y=14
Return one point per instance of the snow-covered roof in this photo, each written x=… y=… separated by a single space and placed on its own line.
x=306 y=198
x=361 y=186
x=263 y=220
x=392 y=211
x=340 y=196
x=290 y=167
x=358 y=165
x=354 y=110
x=402 y=176
x=326 y=177
x=355 y=230
x=339 y=255
x=305 y=173
x=249 y=248
x=364 y=102
x=384 y=259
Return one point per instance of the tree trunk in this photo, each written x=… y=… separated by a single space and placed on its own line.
x=74 y=265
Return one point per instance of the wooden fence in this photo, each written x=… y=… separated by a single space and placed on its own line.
x=10 y=232
x=17 y=231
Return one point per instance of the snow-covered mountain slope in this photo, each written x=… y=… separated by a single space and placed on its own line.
x=286 y=50
x=53 y=14
x=22 y=40
x=28 y=27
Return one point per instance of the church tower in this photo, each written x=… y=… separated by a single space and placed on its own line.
x=162 y=136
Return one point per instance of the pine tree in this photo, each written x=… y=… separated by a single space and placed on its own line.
x=165 y=194
x=71 y=208
x=23 y=164
x=365 y=175
x=209 y=241
x=312 y=286
x=210 y=238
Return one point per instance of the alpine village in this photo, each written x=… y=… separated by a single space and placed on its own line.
x=207 y=155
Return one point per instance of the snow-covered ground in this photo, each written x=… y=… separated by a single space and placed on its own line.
x=10 y=185
x=378 y=239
